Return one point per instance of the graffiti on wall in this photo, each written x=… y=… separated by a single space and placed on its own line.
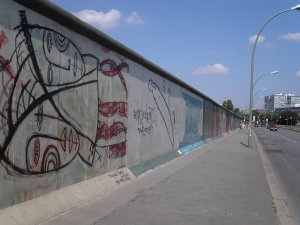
x=216 y=121
x=52 y=106
x=163 y=108
x=193 y=120
x=146 y=120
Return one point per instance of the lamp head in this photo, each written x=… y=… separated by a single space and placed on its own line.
x=296 y=7
x=275 y=72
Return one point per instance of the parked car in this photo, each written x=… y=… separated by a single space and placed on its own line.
x=273 y=128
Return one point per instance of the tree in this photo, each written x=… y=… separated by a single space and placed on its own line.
x=268 y=117
x=237 y=111
x=287 y=117
x=228 y=105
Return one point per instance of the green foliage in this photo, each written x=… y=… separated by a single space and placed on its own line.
x=228 y=105
x=287 y=117
x=237 y=111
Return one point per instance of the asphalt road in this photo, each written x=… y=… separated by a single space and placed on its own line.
x=282 y=148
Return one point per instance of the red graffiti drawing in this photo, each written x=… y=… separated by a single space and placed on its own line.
x=105 y=50
x=110 y=68
x=109 y=109
x=117 y=150
x=106 y=133
x=3 y=38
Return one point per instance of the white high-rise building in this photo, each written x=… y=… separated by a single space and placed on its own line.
x=281 y=101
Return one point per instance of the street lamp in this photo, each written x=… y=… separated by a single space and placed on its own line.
x=259 y=92
x=255 y=98
x=297 y=7
x=272 y=73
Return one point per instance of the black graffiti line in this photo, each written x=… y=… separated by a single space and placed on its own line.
x=172 y=142
x=10 y=135
x=4 y=117
x=10 y=98
x=36 y=135
x=9 y=60
x=162 y=115
x=36 y=73
x=68 y=68
x=70 y=124
x=69 y=83
x=21 y=98
x=57 y=43
x=34 y=59
x=30 y=108
x=91 y=153
x=24 y=28
x=47 y=31
x=87 y=161
x=56 y=157
x=27 y=27
x=4 y=88
x=15 y=126
x=30 y=92
x=8 y=164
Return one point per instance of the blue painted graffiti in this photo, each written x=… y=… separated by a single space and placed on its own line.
x=194 y=120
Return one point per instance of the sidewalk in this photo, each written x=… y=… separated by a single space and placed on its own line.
x=294 y=128
x=222 y=183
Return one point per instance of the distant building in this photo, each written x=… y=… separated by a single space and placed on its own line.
x=267 y=103
x=279 y=102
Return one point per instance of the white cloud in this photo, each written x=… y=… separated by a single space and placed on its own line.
x=211 y=69
x=260 y=40
x=134 y=18
x=290 y=36
x=298 y=74
x=104 y=20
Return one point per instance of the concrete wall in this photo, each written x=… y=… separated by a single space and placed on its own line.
x=75 y=104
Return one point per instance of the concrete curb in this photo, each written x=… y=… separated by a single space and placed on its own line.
x=47 y=206
x=279 y=204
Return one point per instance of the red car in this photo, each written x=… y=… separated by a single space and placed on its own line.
x=273 y=128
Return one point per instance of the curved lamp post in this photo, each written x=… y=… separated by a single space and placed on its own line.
x=256 y=93
x=297 y=7
x=266 y=74
x=259 y=91
x=272 y=73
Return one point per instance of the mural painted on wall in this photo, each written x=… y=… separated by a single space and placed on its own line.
x=194 y=120
x=227 y=121
x=52 y=104
x=216 y=121
x=208 y=119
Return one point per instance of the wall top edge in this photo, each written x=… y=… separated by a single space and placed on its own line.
x=64 y=18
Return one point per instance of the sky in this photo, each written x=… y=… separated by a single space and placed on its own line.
x=207 y=43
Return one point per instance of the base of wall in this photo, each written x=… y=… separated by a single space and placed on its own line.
x=42 y=208
x=145 y=166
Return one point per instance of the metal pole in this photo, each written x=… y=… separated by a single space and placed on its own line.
x=252 y=72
